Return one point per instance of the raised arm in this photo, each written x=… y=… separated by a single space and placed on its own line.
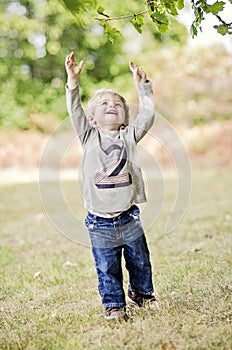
x=145 y=118
x=73 y=99
x=138 y=73
x=73 y=70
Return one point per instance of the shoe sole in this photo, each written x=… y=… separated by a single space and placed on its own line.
x=116 y=318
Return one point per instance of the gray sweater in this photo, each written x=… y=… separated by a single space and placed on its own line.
x=112 y=177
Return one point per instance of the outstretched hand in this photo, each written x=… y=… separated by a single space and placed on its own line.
x=73 y=69
x=138 y=73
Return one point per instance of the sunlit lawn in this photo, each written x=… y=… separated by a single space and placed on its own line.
x=49 y=297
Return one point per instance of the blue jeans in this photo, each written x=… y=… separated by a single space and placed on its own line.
x=110 y=237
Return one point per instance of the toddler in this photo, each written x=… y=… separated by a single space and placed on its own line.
x=113 y=185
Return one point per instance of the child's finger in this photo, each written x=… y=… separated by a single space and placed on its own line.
x=68 y=62
x=81 y=64
x=72 y=56
x=143 y=74
x=67 y=58
x=132 y=66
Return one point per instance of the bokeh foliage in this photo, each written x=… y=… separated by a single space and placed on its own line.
x=160 y=13
x=36 y=36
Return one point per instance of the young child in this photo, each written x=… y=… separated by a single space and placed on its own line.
x=113 y=183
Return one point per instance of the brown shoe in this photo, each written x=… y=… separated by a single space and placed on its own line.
x=115 y=313
x=143 y=300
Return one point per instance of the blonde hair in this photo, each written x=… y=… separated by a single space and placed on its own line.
x=98 y=94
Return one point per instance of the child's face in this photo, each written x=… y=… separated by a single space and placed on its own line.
x=109 y=112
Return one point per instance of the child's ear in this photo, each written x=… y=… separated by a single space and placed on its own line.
x=92 y=121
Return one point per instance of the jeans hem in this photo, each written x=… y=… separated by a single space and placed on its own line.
x=106 y=306
x=142 y=293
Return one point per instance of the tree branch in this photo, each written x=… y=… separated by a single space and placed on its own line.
x=120 y=17
x=223 y=22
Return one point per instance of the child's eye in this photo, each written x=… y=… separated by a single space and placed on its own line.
x=104 y=103
x=118 y=105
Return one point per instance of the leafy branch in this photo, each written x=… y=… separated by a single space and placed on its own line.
x=101 y=10
x=223 y=28
x=200 y=8
x=159 y=12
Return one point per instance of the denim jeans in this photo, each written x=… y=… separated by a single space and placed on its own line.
x=110 y=237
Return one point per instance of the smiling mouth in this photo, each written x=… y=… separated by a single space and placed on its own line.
x=111 y=112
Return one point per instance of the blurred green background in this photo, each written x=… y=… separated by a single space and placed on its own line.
x=192 y=84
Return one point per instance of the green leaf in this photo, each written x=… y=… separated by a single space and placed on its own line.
x=150 y=5
x=199 y=16
x=173 y=11
x=215 y=8
x=222 y=29
x=193 y=31
x=136 y=26
x=160 y=18
x=180 y=4
x=101 y=10
x=137 y=22
x=111 y=32
x=163 y=28
x=140 y=19
x=161 y=21
x=171 y=6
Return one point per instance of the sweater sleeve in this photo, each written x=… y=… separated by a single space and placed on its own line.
x=145 y=118
x=76 y=112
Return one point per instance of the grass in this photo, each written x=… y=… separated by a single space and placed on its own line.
x=49 y=298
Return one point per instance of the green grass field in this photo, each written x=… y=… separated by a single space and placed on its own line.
x=49 y=297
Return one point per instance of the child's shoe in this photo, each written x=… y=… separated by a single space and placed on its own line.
x=115 y=313
x=146 y=301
